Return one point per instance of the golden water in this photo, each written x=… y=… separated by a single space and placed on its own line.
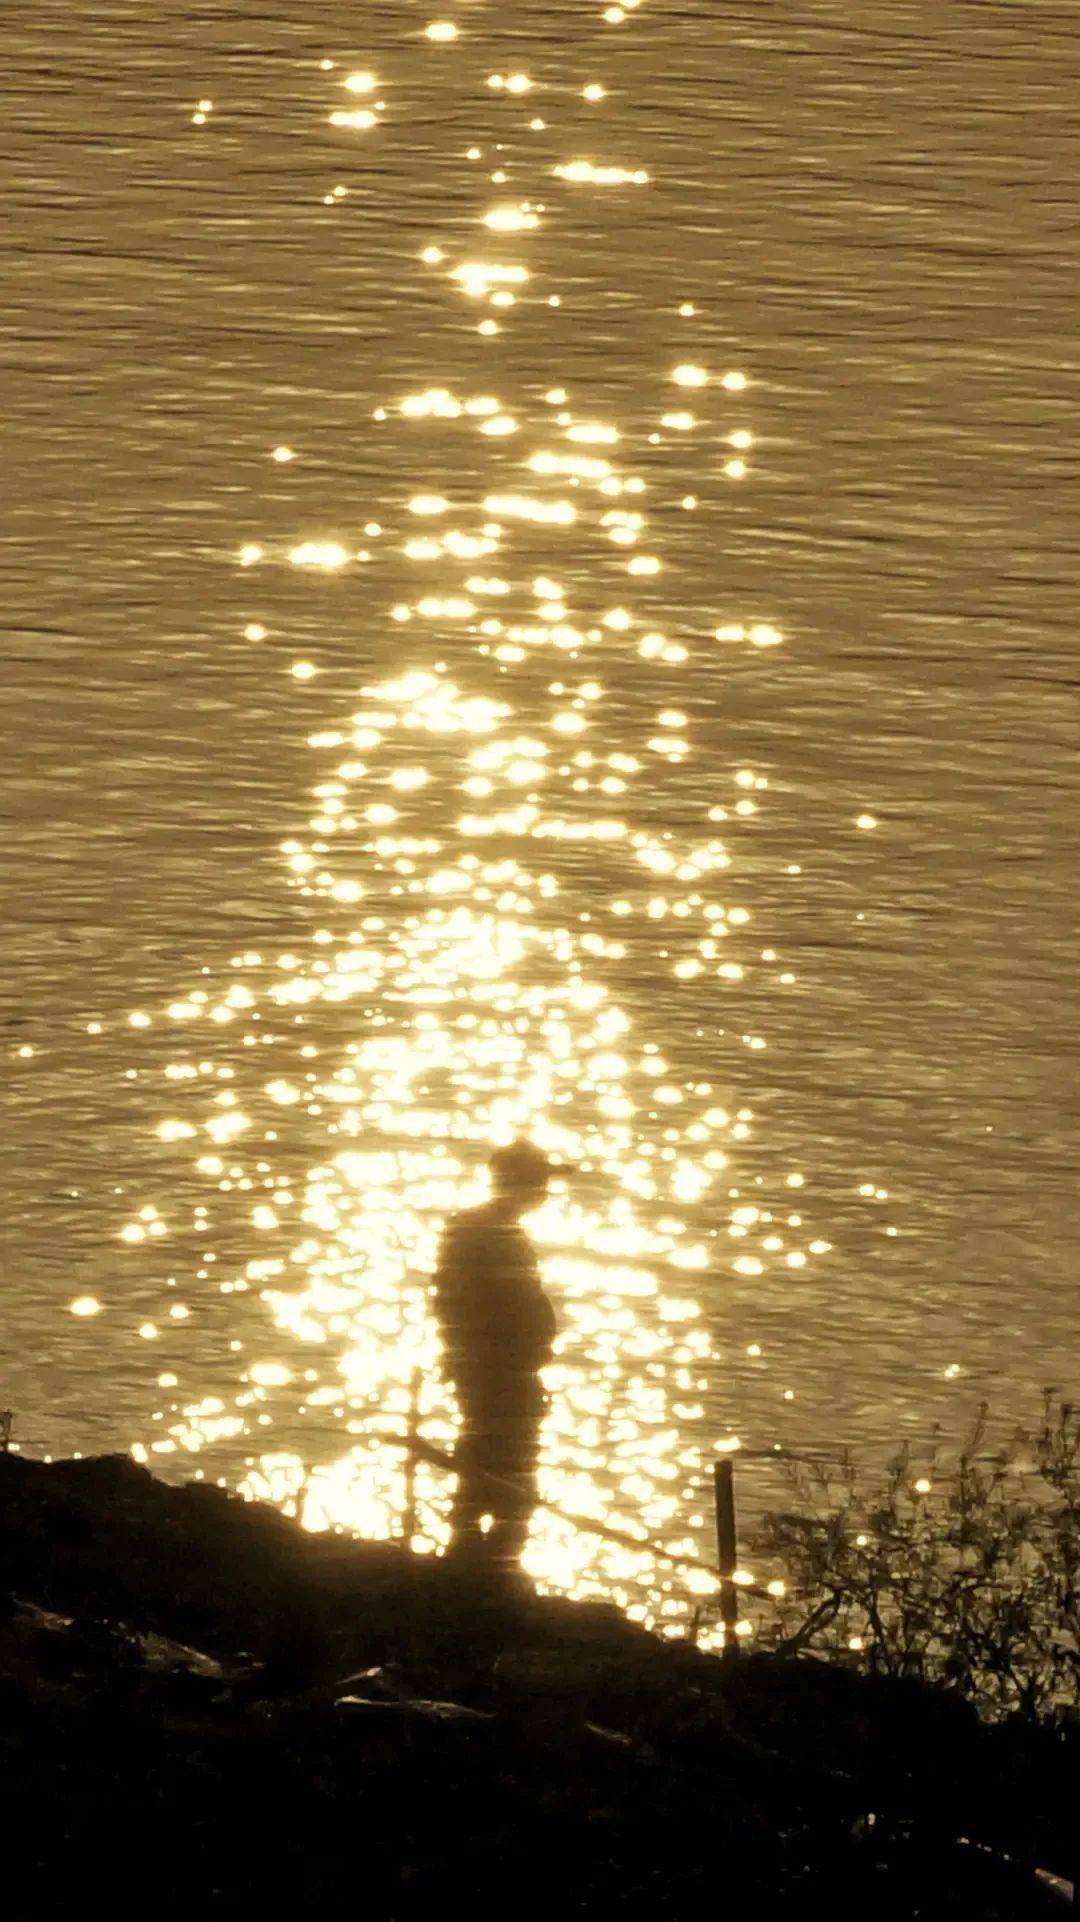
x=540 y=570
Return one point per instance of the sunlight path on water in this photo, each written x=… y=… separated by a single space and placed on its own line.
x=515 y=847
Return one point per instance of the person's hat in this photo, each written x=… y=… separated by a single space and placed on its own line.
x=521 y=1164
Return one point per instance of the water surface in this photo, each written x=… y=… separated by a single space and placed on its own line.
x=550 y=610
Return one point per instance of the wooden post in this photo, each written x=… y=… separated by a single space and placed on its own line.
x=408 y=1519
x=726 y=1562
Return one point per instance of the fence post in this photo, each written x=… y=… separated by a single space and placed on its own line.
x=726 y=1553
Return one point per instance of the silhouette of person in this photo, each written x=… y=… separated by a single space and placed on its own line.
x=497 y=1329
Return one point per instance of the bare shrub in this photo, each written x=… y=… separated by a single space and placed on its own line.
x=964 y=1571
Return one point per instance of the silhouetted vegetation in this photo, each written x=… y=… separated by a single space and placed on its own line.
x=205 y=1710
x=960 y=1570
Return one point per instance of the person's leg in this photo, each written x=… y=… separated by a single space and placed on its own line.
x=514 y=1462
x=472 y=1499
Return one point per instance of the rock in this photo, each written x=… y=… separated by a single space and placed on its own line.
x=481 y=1739
x=444 y=1713
x=551 y=1671
x=370 y=1685
x=159 y=1653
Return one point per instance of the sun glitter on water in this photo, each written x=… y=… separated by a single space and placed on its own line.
x=496 y=898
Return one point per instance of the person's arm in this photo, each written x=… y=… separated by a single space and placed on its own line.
x=533 y=1314
x=451 y=1295
x=442 y=1285
x=548 y=1321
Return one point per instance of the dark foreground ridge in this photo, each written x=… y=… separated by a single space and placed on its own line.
x=201 y=1707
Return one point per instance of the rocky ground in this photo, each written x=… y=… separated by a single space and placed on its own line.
x=202 y=1706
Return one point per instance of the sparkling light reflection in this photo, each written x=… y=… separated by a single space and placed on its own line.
x=492 y=866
